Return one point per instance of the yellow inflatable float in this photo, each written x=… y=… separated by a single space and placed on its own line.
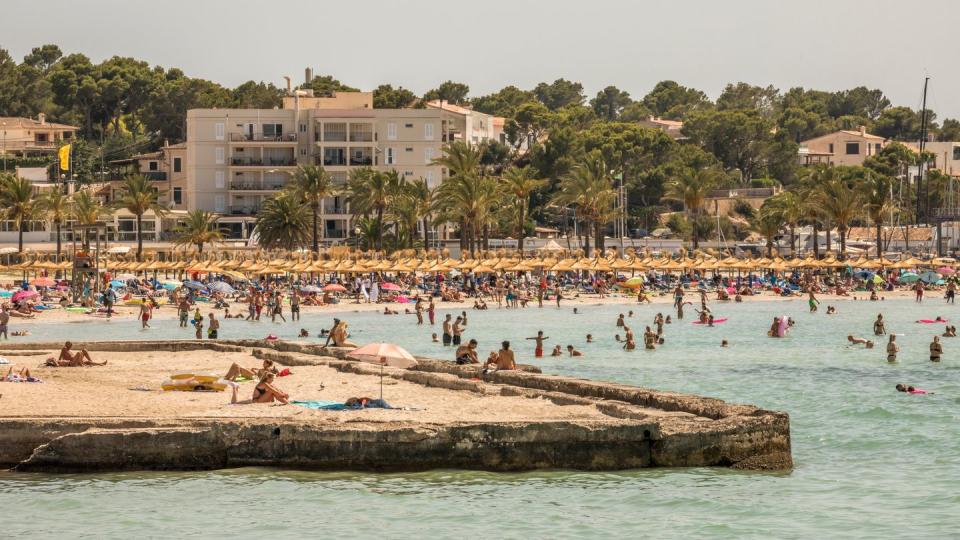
x=191 y=382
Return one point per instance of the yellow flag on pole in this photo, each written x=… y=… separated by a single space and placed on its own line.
x=64 y=154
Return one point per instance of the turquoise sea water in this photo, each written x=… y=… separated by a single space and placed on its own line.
x=869 y=461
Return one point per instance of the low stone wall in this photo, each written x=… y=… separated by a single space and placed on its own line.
x=647 y=428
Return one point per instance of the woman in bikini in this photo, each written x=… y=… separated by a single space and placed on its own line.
x=266 y=392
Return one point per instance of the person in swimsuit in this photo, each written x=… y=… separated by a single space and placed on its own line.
x=812 y=301
x=145 y=310
x=214 y=329
x=74 y=359
x=183 y=311
x=879 y=328
x=620 y=321
x=266 y=392
x=236 y=371
x=892 y=348
x=629 y=341
x=557 y=351
x=295 y=306
x=936 y=349
x=540 y=338
x=4 y=321
x=649 y=339
x=467 y=354
x=918 y=288
x=457 y=331
x=505 y=358
x=572 y=351
x=431 y=312
x=447 y=330
x=951 y=292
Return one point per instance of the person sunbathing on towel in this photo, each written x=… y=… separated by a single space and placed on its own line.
x=264 y=392
x=236 y=371
x=73 y=359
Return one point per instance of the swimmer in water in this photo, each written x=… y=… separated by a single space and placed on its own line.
x=620 y=322
x=572 y=351
x=589 y=338
x=629 y=344
x=724 y=343
x=557 y=351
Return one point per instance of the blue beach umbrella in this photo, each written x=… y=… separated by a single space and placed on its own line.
x=190 y=284
x=118 y=283
x=864 y=274
x=930 y=277
x=221 y=287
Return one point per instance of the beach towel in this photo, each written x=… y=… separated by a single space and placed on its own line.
x=321 y=405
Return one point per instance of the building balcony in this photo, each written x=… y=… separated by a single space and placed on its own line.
x=265 y=162
x=243 y=209
x=361 y=161
x=255 y=186
x=155 y=175
x=266 y=138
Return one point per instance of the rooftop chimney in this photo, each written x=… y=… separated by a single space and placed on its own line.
x=289 y=87
x=42 y=118
x=863 y=130
x=307 y=75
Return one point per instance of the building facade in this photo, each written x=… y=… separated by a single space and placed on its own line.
x=237 y=158
x=26 y=137
x=842 y=147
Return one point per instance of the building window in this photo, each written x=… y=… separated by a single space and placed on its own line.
x=853 y=149
x=177 y=164
x=303 y=128
x=389 y=160
x=220 y=155
x=272 y=132
x=408 y=173
x=428 y=132
x=333 y=157
x=153 y=166
x=408 y=126
x=177 y=195
x=409 y=149
x=219 y=203
x=218 y=179
x=361 y=132
x=830 y=148
x=219 y=130
x=303 y=151
x=876 y=148
x=391 y=131
x=429 y=178
x=428 y=155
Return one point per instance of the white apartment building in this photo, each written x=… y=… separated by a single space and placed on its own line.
x=236 y=158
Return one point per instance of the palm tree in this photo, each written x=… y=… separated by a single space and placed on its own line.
x=520 y=183
x=371 y=191
x=199 y=228
x=464 y=164
x=692 y=188
x=768 y=222
x=878 y=203
x=86 y=210
x=283 y=222
x=18 y=204
x=312 y=184
x=791 y=209
x=139 y=197
x=56 y=205
x=841 y=202
x=468 y=199
x=424 y=197
x=589 y=187
x=461 y=159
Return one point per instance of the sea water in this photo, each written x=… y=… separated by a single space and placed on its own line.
x=869 y=461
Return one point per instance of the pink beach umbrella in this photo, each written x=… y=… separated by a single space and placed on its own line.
x=21 y=295
x=44 y=282
x=334 y=287
x=946 y=270
x=390 y=287
x=384 y=354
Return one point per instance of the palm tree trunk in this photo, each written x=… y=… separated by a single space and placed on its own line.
x=842 y=229
x=316 y=242
x=586 y=238
x=828 y=226
x=816 y=240
x=380 y=228
x=879 y=240
x=793 y=240
x=520 y=232
x=139 y=237
x=57 y=273
x=199 y=248
x=426 y=238
x=20 y=239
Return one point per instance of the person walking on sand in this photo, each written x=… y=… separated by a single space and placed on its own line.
x=892 y=349
x=812 y=300
x=879 y=328
x=4 y=321
x=540 y=338
x=936 y=349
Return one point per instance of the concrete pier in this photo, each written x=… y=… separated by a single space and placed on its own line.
x=548 y=422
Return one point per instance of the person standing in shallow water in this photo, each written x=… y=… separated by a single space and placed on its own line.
x=879 y=328
x=918 y=288
x=539 y=338
x=892 y=349
x=936 y=349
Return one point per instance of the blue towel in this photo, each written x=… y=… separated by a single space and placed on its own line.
x=321 y=405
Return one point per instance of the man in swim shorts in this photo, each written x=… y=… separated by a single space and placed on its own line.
x=540 y=338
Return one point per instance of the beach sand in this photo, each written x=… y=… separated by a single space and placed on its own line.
x=112 y=391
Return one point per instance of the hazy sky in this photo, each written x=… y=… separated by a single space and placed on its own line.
x=824 y=44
